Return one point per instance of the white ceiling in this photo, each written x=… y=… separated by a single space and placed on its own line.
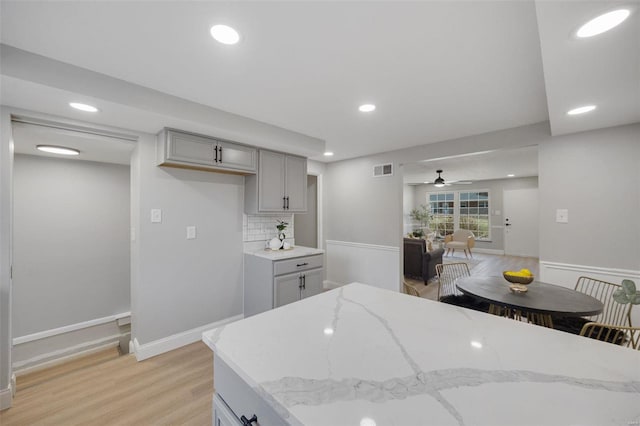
x=436 y=70
x=521 y=162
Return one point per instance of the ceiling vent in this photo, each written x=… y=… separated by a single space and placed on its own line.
x=383 y=170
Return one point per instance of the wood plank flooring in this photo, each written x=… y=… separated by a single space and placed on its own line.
x=173 y=388
x=107 y=389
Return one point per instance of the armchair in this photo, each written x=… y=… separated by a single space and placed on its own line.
x=418 y=262
x=461 y=239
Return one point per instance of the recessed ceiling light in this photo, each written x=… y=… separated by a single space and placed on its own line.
x=53 y=149
x=83 y=107
x=603 y=23
x=476 y=344
x=581 y=110
x=328 y=331
x=328 y=154
x=367 y=107
x=225 y=34
x=510 y=175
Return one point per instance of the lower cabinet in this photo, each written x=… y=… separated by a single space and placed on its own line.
x=270 y=283
x=222 y=414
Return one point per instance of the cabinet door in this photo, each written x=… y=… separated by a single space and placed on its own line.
x=235 y=156
x=286 y=289
x=271 y=174
x=296 y=183
x=190 y=149
x=222 y=414
x=312 y=282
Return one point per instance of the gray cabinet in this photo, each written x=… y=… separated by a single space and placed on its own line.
x=188 y=150
x=222 y=414
x=272 y=283
x=280 y=184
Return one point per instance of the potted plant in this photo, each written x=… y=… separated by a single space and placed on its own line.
x=282 y=225
x=422 y=215
x=627 y=293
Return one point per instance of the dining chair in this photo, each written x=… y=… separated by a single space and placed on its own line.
x=410 y=289
x=447 y=274
x=614 y=313
x=618 y=334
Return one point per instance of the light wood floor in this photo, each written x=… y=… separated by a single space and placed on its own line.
x=173 y=388
x=107 y=389
x=480 y=264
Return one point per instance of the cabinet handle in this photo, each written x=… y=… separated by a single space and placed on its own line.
x=215 y=148
x=302 y=264
x=247 y=422
x=220 y=149
x=300 y=282
x=287 y=202
x=284 y=203
x=304 y=282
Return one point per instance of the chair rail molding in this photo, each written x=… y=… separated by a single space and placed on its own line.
x=371 y=264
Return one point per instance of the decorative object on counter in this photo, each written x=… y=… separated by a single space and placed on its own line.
x=627 y=293
x=275 y=244
x=282 y=225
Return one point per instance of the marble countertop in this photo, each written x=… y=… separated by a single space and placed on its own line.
x=359 y=355
x=297 y=251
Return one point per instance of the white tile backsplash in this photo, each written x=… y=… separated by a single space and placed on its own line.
x=263 y=227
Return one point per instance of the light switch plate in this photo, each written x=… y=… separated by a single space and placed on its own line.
x=156 y=215
x=191 y=232
x=562 y=216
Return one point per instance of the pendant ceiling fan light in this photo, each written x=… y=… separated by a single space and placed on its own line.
x=439 y=182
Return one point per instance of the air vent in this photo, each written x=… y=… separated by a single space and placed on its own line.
x=383 y=170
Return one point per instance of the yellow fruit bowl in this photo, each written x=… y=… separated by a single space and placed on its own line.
x=517 y=279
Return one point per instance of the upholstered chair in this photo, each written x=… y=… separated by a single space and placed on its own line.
x=461 y=239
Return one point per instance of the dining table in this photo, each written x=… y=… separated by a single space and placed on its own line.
x=539 y=304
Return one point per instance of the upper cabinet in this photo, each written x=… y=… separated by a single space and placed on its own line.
x=279 y=186
x=187 y=150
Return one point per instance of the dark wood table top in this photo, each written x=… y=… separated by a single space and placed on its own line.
x=540 y=297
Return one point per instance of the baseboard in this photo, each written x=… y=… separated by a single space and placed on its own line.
x=13 y=384
x=176 y=341
x=5 y=398
x=53 y=358
x=69 y=328
x=488 y=251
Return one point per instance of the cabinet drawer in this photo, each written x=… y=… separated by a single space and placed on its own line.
x=297 y=264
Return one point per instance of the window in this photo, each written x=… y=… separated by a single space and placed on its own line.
x=460 y=210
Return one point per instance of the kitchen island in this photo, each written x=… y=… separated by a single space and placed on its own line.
x=359 y=355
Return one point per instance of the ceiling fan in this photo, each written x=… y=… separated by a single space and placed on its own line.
x=440 y=182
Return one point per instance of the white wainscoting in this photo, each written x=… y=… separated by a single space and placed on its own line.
x=176 y=341
x=50 y=347
x=375 y=265
x=567 y=275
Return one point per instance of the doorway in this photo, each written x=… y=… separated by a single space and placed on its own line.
x=521 y=222
x=306 y=224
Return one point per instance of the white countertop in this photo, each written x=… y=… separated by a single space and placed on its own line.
x=359 y=355
x=297 y=251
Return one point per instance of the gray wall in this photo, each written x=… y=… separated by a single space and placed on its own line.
x=6 y=165
x=306 y=224
x=495 y=187
x=596 y=176
x=179 y=284
x=71 y=242
x=408 y=204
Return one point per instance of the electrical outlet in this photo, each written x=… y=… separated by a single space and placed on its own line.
x=191 y=232
x=156 y=215
x=562 y=216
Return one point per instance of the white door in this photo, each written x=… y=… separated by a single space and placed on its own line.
x=521 y=222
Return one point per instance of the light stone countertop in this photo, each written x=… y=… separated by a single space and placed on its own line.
x=359 y=355
x=296 y=251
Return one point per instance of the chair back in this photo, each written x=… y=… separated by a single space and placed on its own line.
x=462 y=235
x=410 y=289
x=614 y=313
x=448 y=273
x=618 y=334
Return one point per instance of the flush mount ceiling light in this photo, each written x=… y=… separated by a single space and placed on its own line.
x=367 y=108
x=603 y=23
x=61 y=150
x=83 y=107
x=581 y=110
x=439 y=182
x=510 y=175
x=328 y=154
x=225 y=34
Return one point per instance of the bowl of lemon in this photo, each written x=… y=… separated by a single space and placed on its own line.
x=523 y=276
